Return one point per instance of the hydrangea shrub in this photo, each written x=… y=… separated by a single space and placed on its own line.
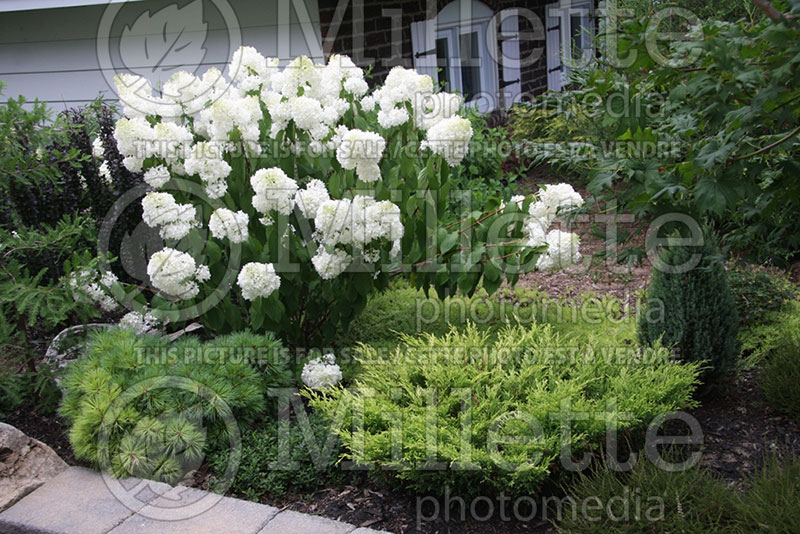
x=299 y=192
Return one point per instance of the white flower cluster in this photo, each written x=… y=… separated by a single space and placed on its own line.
x=157 y=176
x=175 y=221
x=330 y=265
x=361 y=151
x=232 y=225
x=140 y=323
x=313 y=97
x=87 y=285
x=205 y=160
x=258 y=280
x=563 y=248
x=321 y=372
x=358 y=221
x=433 y=109
x=138 y=140
x=176 y=273
x=309 y=200
x=274 y=191
x=450 y=139
x=402 y=86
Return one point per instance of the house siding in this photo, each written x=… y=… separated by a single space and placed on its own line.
x=377 y=31
x=51 y=54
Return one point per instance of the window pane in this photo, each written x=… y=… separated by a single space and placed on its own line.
x=576 y=30
x=470 y=66
x=443 y=62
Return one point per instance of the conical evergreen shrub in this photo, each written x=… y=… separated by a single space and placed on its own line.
x=690 y=307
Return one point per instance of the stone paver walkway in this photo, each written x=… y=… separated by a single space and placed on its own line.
x=79 y=501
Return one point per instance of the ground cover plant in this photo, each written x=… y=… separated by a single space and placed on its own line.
x=498 y=390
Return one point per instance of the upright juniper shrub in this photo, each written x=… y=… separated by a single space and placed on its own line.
x=699 y=312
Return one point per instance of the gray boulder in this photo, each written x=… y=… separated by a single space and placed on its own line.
x=25 y=464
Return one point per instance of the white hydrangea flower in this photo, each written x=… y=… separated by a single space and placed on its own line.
x=230 y=112
x=331 y=265
x=175 y=221
x=176 y=273
x=551 y=198
x=141 y=324
x=87 y=285
x=205 y=160
x=105 y=172
x=450 y=139
x=322 y=372
x=401 y=86
x=358 y=221
x=190 y=93
x=273 y=191
x=309 y=200
x=368 y=103
x=361 y=151
x=258 y=280
x=563 y=250
x=225 y=223
x=356 y=86
x=157 y=176
x=250 y=70
x=519 y=200
x=392 y=117
x=536 y=232
x=430 y=110
x=136 y=95
x=98 y=150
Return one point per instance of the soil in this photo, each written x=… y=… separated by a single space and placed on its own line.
x=595 y=275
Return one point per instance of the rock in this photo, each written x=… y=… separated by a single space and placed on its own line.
x=25 y=464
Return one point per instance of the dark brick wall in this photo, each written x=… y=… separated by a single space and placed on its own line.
x=377 y=31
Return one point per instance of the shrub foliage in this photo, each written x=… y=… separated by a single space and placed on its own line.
x=462 y=411
x=140 y=406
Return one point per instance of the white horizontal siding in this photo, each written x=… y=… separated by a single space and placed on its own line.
x=52 y=54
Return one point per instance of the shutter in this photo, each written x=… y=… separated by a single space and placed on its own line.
x=511 y=83
x=423 y=47
x=555 y=67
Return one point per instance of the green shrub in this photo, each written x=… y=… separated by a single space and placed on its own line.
x=759 y=340
x=758 y=290
x=698 y=314
x=258 y=477
x=403 y=309
x=772 y=501
x=526 y=372
x=694 y=502
x=490 y=170
x=648 y=499
x=141 y=406
x=781 y=375
x=534 y=122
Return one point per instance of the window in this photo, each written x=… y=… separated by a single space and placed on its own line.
x=462 y=56
x=569 y=39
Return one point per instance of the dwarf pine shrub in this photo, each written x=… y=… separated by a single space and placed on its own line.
x=141 y=406
x=699 y=316
x=484 y=416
